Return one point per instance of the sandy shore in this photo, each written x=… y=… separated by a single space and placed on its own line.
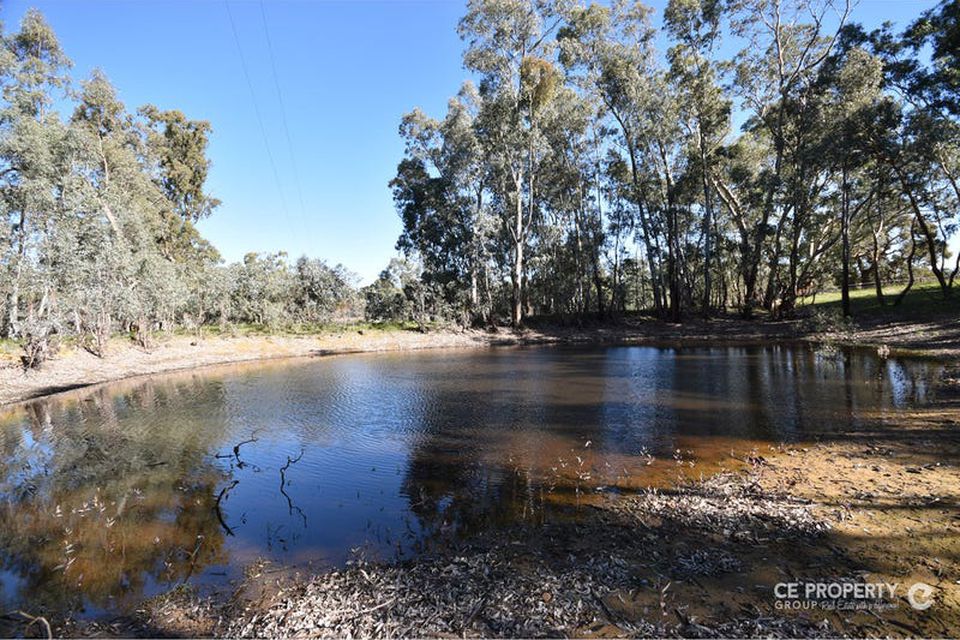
x=74 y=368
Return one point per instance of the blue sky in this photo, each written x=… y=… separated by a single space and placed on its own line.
x=347 y=71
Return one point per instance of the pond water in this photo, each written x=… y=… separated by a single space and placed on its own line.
x=118 y=492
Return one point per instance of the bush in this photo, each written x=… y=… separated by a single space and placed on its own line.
x=828 y=321
x=40 y=343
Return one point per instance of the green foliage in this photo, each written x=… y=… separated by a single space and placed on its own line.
x=580 y=175
x=98 y=213
x=585 y=176
x=401 y=294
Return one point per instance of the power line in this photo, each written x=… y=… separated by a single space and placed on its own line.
x=256 y=109
x=283 y=110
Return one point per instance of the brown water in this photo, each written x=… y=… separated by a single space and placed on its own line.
x=119 y=492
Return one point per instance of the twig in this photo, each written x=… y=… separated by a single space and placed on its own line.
x=236 y=449
x=283 y=483
x=476 y=611
x=216 y=507
x=31 y=620
x=193 y=560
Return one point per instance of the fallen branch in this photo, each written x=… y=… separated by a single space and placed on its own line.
x=216 y=507
x=31 y=620
x=283 y=484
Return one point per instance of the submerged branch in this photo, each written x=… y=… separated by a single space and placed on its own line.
x=219 y=512
x=283 y=487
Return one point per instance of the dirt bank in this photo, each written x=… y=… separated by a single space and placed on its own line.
x=935 y=335
x=74 y=368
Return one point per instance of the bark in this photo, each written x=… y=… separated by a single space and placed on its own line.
x=707 y=228
x=928 y=235
x=645 y=232
x=845 y=244
x=673 y=243
x=913 y=251
x=475 y=258
x=875 y=256
x=516 y=275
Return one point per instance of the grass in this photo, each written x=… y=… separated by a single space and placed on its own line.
x=924 y=300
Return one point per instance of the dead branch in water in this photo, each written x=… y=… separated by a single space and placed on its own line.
x=236 y=449
x=30 y=620
x=236 y=452
x=283 y=487
x=216 y=507
x=193 y=559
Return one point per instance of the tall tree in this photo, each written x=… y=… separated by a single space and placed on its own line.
x=695 y=25
x=509 y=46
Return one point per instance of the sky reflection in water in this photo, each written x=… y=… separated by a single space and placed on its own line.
x=126 y=490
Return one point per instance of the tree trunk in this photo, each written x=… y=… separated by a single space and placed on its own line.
x=928 y=235
x=648 y=248
x=845 y=244
x=876 y=255
x=707 y=228
x=13 y=301
x=913 y=251
x=516 y=317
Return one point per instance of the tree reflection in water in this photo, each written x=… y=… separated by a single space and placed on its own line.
x=98 y=508
x=112 y=494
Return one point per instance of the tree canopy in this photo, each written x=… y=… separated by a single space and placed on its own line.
x=589 y=174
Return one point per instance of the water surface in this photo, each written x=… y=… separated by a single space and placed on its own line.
x=115 y=493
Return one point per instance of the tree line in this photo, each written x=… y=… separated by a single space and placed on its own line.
x=99 y=210
x=578 y=171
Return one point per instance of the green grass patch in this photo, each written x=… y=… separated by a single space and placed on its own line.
x=923 y=300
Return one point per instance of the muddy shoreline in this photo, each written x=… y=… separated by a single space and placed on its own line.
x=699 y=560
x=75 y=368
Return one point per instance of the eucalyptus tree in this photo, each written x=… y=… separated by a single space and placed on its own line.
x=441 y=192
x=920 y=151
x=569 y=235
x=261 y=294
x=34 y=73
x=788 y=42
x=510 y=47
x=98 y=217
x=116 y=242
x=695 y=25
x=610 y=50
x=322 y=292
x=917 y=144
x=850 y=94
x=936 y=78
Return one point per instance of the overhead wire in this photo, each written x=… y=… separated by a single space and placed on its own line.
x=256 y=110
x=283 y=110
